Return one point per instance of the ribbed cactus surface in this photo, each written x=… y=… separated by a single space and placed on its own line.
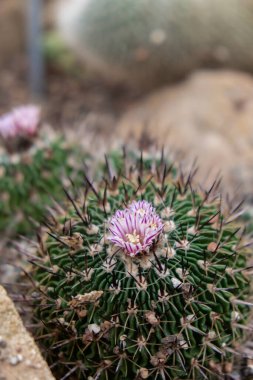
x=142 y=277
x=31 y=181
x=147 y=42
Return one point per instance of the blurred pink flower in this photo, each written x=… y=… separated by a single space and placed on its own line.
x=21 y=121
x=27 y=119
x=136 y=228
x=8 y=127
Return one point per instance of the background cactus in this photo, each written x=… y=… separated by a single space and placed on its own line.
x=57 y=54
x=33 y=169
x=141 y=277
x=146 y=42
x=30 y=181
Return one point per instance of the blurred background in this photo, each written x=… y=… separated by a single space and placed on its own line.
x=35 y=64
x=173 y=72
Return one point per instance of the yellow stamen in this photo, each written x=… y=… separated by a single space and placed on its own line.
x=141 y=211
x=133 y=238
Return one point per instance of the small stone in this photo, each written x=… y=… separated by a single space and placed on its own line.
x=15 y=359
x=29 y=363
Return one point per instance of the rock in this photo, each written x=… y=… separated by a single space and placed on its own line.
x=20 y=358
x=208 y=116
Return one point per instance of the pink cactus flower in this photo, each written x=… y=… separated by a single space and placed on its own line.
x=136 y=228
x=8 y=128
x=142 y=208
x=21 y=121
x=27 y=119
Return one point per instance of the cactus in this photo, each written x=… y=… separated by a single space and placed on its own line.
x=30 y=182
x=57 y=55
x=31 y=170
x=141 y=277
x=145 y=42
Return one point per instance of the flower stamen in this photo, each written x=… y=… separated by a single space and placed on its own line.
x=135 y=228
x=133 y=238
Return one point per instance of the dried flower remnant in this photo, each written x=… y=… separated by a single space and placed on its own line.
x=136 y=228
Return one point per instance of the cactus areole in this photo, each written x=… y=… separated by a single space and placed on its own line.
x=143 y=277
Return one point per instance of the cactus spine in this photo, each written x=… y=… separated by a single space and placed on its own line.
x=30 y=182
x=142 y=277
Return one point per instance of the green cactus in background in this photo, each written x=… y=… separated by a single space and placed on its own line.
x=33 y=169
x=141 y=277
x=57 y=55
x=31 y=181
x=148 y=42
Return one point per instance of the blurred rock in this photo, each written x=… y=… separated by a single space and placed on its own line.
x=20 y=358
x=208 y=116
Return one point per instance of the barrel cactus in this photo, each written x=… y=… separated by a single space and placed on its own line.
x=146 y=42
x=32 y=183
x=141 y=277
x=32 y=170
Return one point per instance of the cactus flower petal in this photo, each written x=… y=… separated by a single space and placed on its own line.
x=136 y=228
x=21 y=121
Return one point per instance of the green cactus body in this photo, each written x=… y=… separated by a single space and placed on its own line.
x=171 y=312
x=57 y=55
x=31 y=183
x=148 y=42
